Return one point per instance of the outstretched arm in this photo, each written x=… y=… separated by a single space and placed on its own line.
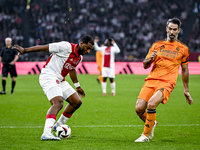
x=148 y=61
x=38 y=48
x=74 y=79
x=185 y=79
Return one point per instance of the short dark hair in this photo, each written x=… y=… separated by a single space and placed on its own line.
x=175 y=21
x=87 y=39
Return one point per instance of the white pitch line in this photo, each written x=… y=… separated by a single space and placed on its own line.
x=101 y=126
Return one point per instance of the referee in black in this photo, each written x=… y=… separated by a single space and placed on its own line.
x=8 y=56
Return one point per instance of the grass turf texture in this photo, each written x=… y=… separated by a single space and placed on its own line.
x=101 y=122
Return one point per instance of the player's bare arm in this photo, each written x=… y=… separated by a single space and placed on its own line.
x=38 y=48
x=148 y=61
x=74 y=79
x=185 y=80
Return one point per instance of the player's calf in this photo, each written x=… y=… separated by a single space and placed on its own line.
x=57 y=105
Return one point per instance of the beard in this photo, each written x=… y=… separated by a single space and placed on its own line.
x=80 y=51
x=172 y=37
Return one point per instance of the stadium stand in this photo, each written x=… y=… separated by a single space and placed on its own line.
x=134 y=24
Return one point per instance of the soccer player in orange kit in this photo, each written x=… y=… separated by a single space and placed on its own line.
x=166 y=55
x=99 y=63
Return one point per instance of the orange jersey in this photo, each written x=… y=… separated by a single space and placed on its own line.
x=170 y=55
x=99 y=58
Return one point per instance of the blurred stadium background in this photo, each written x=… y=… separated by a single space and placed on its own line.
x=134 y=24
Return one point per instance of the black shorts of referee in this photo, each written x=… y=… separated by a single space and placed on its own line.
x=8 y=68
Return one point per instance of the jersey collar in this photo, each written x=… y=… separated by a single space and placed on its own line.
x=74 y=48
x=174 y=41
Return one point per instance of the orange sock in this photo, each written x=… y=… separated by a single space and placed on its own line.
x=100 y=78
x=151 y=117
x=143 y=116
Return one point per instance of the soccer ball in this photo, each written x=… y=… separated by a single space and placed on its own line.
x=63 y=131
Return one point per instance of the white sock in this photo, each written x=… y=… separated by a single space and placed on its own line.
x=104 y=84
x=49 y=125
x=62 y=120
x=113 y=87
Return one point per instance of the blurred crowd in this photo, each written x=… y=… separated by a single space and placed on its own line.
x=134 y=24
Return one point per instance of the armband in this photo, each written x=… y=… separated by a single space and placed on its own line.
x=24 y=50
x=77 y=84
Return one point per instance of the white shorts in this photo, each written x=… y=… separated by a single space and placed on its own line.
x=52 y=87
x=108 y=72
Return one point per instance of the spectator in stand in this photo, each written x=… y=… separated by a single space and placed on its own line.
x=131 y=22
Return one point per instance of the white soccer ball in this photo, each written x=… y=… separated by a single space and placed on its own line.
x=63 y=131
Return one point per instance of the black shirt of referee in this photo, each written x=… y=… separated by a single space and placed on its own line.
x=8 y=56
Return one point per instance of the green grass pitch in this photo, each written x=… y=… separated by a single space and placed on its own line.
x=106 y=123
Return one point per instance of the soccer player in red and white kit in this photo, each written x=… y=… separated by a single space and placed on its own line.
x=108 y=69
x=63 y=60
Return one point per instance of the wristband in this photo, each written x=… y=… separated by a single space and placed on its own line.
x=77 y=84
x=24 y=50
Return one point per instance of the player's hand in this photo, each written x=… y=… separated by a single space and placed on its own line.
x=189 y=99
x=153 y=54
x=96 y=39
x=12 y=63
x=113 y=41
x=19 y=49
x=80 y=91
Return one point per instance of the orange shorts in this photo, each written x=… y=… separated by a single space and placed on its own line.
x=150 y=87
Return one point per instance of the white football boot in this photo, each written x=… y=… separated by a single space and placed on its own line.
x=151 y=135
x=142 y=138
x=49 y=137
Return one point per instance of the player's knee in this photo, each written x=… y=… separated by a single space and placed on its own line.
x=151 y=105
x=79 y=103
x=58 y=104
x=138 y=110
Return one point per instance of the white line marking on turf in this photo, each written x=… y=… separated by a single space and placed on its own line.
x=102 y=126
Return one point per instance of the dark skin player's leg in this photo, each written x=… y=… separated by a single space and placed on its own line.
x=104 y=79
x=57 y=104
x=74 y=103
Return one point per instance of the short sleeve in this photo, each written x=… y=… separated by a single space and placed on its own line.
x=150 y=51
x=16 y=52
x=59 y=47
x=185 y=59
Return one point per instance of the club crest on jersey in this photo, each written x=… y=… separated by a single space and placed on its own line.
x=162 y=47
x=177 y=48
x=69 y=66
x=57 y=82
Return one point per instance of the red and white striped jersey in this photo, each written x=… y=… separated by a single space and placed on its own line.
x=108 y=54
x=63 y=59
